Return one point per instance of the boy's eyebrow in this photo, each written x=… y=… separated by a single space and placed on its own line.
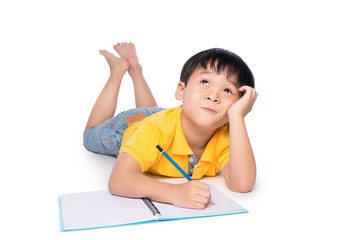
x=233 y=83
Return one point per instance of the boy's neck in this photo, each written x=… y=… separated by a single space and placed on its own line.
x=196 y=137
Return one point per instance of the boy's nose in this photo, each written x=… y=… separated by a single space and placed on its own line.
x=213 y=98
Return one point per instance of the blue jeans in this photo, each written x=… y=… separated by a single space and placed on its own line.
x=106 y=137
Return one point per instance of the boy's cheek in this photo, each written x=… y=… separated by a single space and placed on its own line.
x=233 y=102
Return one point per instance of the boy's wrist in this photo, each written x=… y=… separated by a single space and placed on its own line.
x=168 y=193
x=234 y=117
x=173 y=193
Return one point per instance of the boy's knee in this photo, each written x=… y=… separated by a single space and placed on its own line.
x=86 y=140
x=85 y=131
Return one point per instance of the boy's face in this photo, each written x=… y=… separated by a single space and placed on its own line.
x=207 y=98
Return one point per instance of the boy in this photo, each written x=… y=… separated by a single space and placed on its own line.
x=205 y=135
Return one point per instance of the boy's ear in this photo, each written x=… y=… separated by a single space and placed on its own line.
x=179 y=94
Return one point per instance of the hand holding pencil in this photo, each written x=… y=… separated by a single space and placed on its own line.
x=193 y=194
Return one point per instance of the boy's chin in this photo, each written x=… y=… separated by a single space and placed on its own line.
x=213 y=126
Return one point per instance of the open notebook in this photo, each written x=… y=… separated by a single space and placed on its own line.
x=88 y=210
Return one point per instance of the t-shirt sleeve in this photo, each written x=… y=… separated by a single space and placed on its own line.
x=142 y=146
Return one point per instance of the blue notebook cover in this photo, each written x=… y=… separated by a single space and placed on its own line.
x=101 y=209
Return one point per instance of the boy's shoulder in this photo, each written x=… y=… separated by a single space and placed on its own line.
x=165 y=118
x=160 y=125
x=163 y=122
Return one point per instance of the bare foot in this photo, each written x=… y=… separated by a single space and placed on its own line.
x=116 y=64
x=127 y=51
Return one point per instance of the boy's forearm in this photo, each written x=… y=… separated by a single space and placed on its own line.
x=241 y=167
x=137 y=185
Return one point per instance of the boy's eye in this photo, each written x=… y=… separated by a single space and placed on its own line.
x=228 y=91
x=204 y=82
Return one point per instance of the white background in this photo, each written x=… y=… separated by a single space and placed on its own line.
x=304 y=127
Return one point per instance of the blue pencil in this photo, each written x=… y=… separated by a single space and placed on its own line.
x=174 y=163
x=177 y=166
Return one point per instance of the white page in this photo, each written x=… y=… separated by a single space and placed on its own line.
x=101 y=209
x=223 y=205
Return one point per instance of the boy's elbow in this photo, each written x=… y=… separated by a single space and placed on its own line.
x=114 y=186
x=118 y=185
x=240 y=187
x=111 y=187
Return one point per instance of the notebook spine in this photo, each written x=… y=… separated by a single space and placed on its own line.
x=151 y=206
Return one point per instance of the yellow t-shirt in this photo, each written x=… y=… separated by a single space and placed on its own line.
x=164 y=129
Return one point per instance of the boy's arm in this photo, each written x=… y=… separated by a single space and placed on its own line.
x=127 y=180
x=240 y=171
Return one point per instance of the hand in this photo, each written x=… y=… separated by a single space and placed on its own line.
x=193 y=194
x=244 y=105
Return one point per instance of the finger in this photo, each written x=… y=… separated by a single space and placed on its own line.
x=200 y=184
x=204 y=186
x=201 y=199
x=254 y=95
x=252 y=92
x=246 y=89
x=201 y=188
x=242 y=91
x=204 y=194
x=200 y=205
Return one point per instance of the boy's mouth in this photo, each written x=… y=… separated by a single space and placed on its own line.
x=209 y=110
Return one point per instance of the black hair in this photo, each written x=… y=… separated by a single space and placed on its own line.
x=220 y=60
